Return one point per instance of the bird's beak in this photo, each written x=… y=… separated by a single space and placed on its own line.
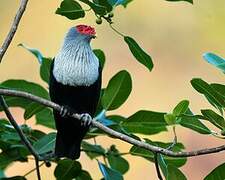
x=93 y=36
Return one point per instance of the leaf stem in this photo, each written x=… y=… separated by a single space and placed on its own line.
x=174 y=139
x=95 y=141
x=115 y=30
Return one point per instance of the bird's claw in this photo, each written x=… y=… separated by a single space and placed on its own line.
x=86 y=119
x=64 y=111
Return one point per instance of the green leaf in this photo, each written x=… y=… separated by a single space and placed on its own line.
x=6 y=160
x=178 y=162
x=22 y=85
x=37 y=134
x=162 y=165
x=116 y=118
x=126 y=2
x=45 y=144
x=181 y=108
x=34 y=51
x=70 y=9
x=25 y=86
x=145 y=122
x=12 y=154
x=174 y=173
x=32 y=109
x=97 y=8
x=116 y=161
x=108 y=173
x=91 y=150
x=214 y=118
x=192 y=122
x=220 y=88
x=117 y=91
x=190 y=1
x=45 y=118
x=45 y=69
x=84 y=175
x=67 y=169
x=170 y=119
x=101 y=56
x=7 y=136
x=20 y=151
x=215 y=60
x=210 y=93
x=99 y=108
x=217 y=173
x=104 y=3
x=139 y=53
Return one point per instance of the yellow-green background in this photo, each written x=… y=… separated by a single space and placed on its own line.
x=174 y=34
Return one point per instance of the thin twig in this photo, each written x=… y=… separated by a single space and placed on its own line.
x=170 y=147
x=95 y=141
x=21 y=134
x=114 y=29
x=157 y=166
x=123 y=154
x=32 y=170
x=13 y=29
x=37 y=168
x=111 y=132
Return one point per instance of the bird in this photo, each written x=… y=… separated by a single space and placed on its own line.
x=74 y=84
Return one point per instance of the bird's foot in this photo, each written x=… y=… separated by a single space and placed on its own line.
x=65 y=111
x=86 y=119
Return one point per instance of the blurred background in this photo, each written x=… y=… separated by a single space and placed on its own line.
x=175 y=34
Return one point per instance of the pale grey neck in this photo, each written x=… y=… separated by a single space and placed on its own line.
x=76 y=64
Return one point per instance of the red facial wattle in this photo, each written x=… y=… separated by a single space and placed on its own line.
x=86 y=30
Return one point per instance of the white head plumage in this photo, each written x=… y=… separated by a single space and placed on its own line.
x=76 y=64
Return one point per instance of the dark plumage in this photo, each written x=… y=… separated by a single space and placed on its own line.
x=78 y=98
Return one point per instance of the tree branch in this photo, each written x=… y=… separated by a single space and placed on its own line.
x=21 y=134
x=111 y=132
x=13 y=29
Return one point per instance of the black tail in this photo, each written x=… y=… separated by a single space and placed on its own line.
x=63 y=148
x=70 y=133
